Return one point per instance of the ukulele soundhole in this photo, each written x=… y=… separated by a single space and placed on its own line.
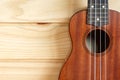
x=97 y=41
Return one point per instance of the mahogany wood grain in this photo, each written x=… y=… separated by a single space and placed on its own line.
x=80 y=64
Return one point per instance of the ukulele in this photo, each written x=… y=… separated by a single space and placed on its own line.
x=95 y=35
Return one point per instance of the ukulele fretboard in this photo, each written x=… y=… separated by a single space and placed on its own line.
x=97 y=13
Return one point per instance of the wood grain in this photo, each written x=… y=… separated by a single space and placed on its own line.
x=41 y=48
x=34 y=41
x=82 y=65
x=33 y=51
x=43 y=10
x=29 y=70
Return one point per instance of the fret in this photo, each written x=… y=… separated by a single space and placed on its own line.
x=98 y=1
x=95 y=19
x=97 y=13
x=97 y=16
x=98 y=6
x=98 y=10
x=98 y=22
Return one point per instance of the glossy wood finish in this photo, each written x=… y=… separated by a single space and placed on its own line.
x=81 y=64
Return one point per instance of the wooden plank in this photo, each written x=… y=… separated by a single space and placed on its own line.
x=35 y=11
x=30 y=70
x=43 y=10
x=34 y=41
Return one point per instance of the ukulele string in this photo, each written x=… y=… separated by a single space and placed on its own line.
x=91 y=4
x=105 y=4
x=100 y=45
x=95 y=46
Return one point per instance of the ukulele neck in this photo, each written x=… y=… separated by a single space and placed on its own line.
x=97 y=13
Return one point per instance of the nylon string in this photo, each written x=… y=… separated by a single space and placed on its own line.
x=105 y=42
x=90 y=40
x=95 y=46
x=100 y=45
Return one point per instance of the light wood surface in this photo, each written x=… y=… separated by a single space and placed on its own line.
x=33 y=51
x=43 y=10
x=30 y=70
x=34 y=41
x=30 y=51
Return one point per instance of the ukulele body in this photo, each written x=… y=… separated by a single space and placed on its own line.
x=81 y=64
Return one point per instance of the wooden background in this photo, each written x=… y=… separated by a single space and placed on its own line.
x=34 y=38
